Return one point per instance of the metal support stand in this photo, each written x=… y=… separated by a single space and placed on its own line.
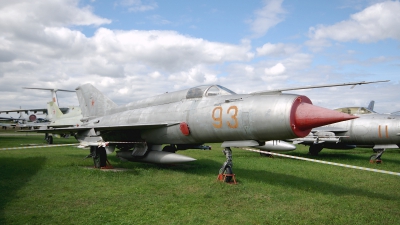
x=224 y=177
x=108 y=165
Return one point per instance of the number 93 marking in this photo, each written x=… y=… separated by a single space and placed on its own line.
x=217 y=117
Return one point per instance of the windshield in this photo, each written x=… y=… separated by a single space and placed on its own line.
x=207 y=91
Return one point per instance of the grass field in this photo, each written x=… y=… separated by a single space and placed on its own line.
x=54 y=186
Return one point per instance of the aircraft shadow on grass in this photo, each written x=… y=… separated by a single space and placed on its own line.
x=349 y=156
x=309 y=185
x=210 y=168
x=14 y=174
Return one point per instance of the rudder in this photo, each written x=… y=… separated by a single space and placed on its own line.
x=93 y=103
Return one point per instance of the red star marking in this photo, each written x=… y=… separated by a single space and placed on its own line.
x=92 y=102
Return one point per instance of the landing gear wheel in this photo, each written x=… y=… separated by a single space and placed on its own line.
x=99 y=156
x=49 y=140
x=169 y=148
x=314 y=149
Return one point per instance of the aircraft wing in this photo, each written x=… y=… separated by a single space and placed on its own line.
x=136 y=126
x=31 y=110
x=8 y=119
x=329 y=129
x=353 y=84
x=104 y=128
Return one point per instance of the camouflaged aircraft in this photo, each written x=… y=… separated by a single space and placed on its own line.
x=189 y=118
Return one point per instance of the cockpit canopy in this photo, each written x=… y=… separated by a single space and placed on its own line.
x=355 y=110
x=207 y=90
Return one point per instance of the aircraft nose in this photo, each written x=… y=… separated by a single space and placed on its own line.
x=306 y=116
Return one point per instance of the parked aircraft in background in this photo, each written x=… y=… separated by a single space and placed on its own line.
x=58 y=119
x=7 y=125
x=53 y=94
x=24 y=113
x=370 y=130
x=188 y=118
x=55 y=116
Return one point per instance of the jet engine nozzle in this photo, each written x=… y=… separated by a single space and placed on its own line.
x=32 y=118
x=306 y=116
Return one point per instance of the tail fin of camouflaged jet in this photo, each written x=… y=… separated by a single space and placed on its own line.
x=92 y=102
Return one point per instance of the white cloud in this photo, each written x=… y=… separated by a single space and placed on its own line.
x=39 y=49
x=138 y=5
x=47 y=13
x=278 y=69
x=267 y=17
x=279 y=49
x=44 y=50
x=377 y=22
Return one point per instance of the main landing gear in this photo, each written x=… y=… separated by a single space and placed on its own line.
x=315 y=149
x=48 y=138
x=376 y=158
x=225 y=173
x=99 y=157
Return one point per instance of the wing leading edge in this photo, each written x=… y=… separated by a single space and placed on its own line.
x=105 y=128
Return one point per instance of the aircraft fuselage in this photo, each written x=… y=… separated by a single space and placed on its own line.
x=370 y=130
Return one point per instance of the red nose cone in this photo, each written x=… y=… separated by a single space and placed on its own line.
x=306 y=116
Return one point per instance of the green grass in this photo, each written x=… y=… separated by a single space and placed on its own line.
x=54 y=186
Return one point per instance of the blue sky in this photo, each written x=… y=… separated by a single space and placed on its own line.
x=132 y=49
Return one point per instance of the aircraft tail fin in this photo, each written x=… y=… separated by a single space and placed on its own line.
x=53 y=111
x=371 y=105
x=53 y=92
x=93 y=103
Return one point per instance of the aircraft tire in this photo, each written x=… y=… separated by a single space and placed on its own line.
x=103 y=156
x=314 y=149
x=99 y=156
x=169 y=148
x=49 y=140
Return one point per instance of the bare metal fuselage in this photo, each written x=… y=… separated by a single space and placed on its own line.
x=210 y=119
x=370 y=130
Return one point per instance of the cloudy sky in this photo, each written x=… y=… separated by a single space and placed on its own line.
x=131 y=49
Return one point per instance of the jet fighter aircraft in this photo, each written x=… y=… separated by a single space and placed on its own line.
x=370 y=130
x=188 y=118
